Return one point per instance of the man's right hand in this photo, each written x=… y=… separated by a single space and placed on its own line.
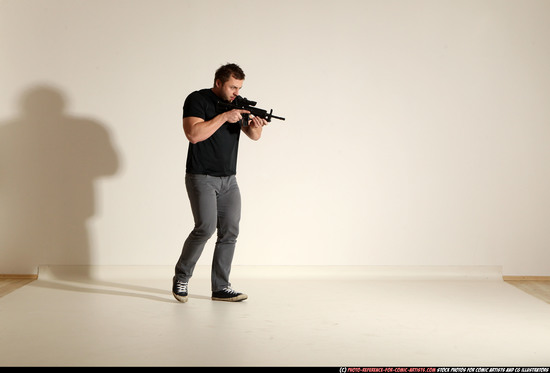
x=235 y=115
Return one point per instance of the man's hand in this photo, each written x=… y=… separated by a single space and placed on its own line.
x=257 y=122
x=235 y=115
x=254 y=128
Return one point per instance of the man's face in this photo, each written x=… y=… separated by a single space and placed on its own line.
x=230 y=89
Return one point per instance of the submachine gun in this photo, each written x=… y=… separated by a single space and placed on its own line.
x=244 y=104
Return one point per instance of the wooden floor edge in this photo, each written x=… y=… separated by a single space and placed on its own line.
x=526 y=278
x=18 y=277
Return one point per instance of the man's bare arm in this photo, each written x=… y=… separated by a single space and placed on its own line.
x=197 y=129
x=254 y=128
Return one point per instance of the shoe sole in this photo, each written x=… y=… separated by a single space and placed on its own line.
x=180 y=298
x=238 y=298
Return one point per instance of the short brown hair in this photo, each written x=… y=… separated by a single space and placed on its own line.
x=227 y=71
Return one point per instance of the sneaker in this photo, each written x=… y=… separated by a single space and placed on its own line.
x=228 y=295
x=179 y=290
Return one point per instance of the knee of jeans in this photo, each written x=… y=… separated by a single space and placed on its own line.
x=204 y=231
x=229 y=233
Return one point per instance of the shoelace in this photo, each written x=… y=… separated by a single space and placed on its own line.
x=181 y=287
x=230 y=291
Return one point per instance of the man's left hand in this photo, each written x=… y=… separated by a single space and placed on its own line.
x=257 y=122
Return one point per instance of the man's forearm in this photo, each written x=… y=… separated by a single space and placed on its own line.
x=253 y=132
x=197 y=130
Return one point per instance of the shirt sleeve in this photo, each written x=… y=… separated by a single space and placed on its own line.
x=194 y=106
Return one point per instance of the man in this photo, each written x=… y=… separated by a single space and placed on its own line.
x=210 y=180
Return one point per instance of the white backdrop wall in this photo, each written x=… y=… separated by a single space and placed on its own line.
x=417 y=132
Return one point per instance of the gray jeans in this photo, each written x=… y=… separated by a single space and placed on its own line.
x=216 y=205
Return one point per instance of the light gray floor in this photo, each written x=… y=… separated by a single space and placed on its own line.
x=295 y=316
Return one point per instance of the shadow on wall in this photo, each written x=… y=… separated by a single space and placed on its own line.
x=49 y=161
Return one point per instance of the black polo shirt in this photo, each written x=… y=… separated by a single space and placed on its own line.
x=217 y=155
